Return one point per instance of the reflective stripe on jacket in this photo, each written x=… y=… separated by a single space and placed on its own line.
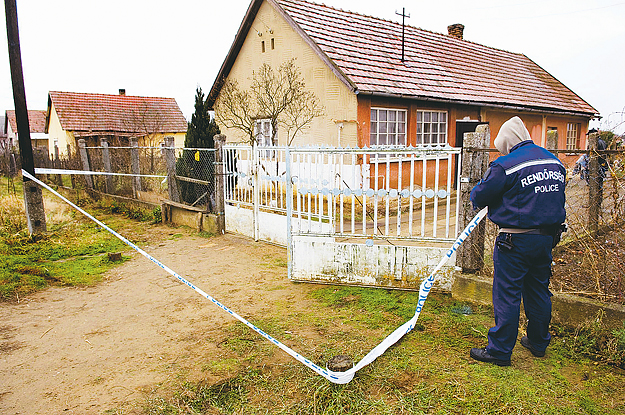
x=524 y=189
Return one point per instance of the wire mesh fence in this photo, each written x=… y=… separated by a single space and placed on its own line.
x=133 y=172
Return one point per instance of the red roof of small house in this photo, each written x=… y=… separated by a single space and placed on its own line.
x=365 y=53
x=93 y=114
x=36 y=120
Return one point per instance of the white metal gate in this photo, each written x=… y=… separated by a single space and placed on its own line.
x=381 y=217
x=368 y=216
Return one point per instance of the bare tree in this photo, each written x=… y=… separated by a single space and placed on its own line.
x=278 y=96
x=146 y=122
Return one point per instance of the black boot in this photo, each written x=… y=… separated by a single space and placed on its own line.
x=483 y=356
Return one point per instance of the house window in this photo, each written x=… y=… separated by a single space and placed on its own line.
x=388 y=127
x=263 y=132
x=432 y=128
x=262 y=46
x=572 y=136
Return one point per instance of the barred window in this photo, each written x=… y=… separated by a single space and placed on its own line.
x=572 y=136
x=388 y=127
x=431 y=127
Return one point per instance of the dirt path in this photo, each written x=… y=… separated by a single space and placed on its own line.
x=88 y=350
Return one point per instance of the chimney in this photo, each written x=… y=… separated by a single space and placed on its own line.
x=122 y=91
x=456 y=30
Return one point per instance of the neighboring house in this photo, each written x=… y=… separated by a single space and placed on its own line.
x=72 y=116
x=443 y=87
x=4 y=142
x=36 y=124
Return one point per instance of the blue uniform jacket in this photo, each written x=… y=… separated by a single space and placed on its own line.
x=523 y=189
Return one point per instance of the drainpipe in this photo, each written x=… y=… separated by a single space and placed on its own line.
x=340 y=125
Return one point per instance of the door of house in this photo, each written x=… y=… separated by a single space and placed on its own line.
x=462 y=127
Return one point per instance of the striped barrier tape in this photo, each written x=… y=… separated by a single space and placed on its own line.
x=334 y=377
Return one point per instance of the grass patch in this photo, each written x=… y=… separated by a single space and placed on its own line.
x=72 y=252
x=427 y=372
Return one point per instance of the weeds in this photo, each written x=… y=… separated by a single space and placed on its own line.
x=132 y=212
x=593 y=340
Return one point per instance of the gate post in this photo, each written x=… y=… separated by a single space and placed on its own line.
x=470 y=255
x=255 y=191
x=552 y=140
x=289 y=213
x=220 y=191
x=85 y=162
x=170 y=159
x=106 y=160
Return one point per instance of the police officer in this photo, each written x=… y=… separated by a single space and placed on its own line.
x=524 y=192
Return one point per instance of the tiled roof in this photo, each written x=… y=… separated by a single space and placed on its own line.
x=36 y=120
x=89 y=114
x=367 y=50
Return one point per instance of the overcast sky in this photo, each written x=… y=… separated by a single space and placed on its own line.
x=165 y=48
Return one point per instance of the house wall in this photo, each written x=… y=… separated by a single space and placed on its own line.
x=338 y=100
x=160 y=138
x=537 y=125
x=58 y=135
x=11 y=135
x=454 y=112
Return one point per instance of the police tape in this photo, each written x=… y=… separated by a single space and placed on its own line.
x=334 y=377
x=40 y=170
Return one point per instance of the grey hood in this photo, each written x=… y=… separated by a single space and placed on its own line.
x=511 y=133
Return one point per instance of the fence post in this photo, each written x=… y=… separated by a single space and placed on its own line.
x=106 y=160
x=134 y=166
x=85 y=162
x=595 y=184
x=57 y=163
x=220 y=191
x=170 y=159
x=470 y=255
x=70 y=165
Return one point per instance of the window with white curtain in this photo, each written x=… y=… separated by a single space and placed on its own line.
x=388 y=127
x=432 y=128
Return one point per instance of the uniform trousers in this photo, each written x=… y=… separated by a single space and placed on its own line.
x=521 y=272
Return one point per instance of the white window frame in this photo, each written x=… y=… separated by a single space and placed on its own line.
x=432 y=128
x=572 y=136
x=388 y=127
x=263 y=132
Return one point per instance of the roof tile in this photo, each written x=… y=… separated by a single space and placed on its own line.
x=368 y=51
x=124 y=114
x=36 y=120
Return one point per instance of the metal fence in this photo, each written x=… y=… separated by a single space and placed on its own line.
x=386 y=193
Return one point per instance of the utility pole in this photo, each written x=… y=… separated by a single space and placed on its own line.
x=403 y=29
x=33 y=199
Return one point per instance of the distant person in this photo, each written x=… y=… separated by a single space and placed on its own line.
x=581 y=167
x=524 y=192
